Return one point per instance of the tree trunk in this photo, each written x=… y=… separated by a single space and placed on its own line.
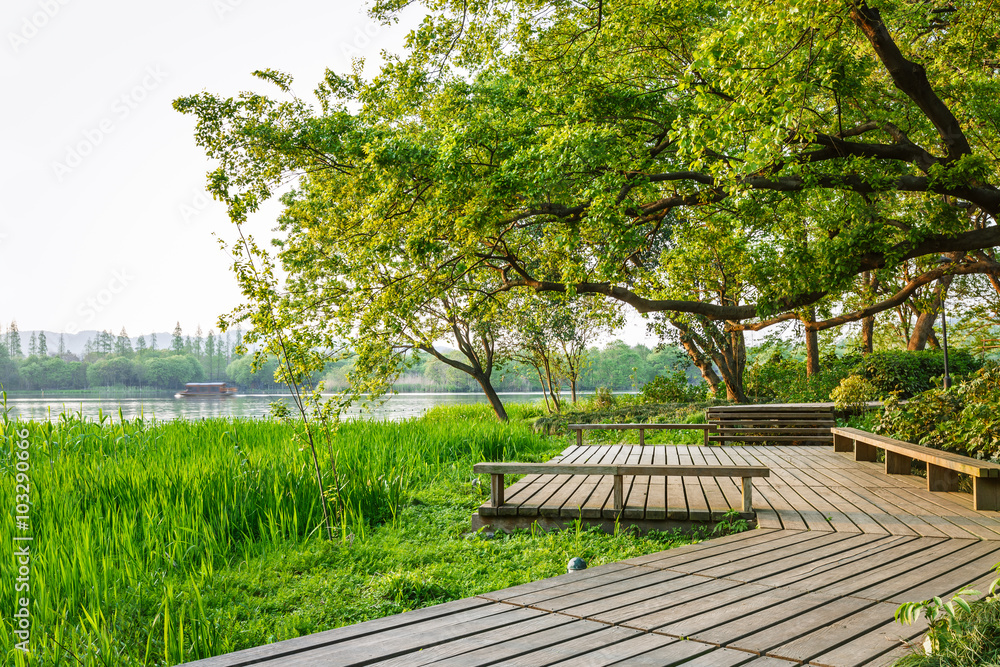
x=731 y=360
x=572 y=388
x=552 y=389
x=924 y=329
x=701 y=361
x=867 y=335
x=491 y=396
x=545 y=394
x=812 y=345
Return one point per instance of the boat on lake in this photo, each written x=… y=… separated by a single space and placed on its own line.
x=207 y=390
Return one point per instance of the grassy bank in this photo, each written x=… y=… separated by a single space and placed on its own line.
x=158 y=543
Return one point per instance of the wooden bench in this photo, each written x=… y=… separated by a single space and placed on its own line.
x=943 y=468
x=580 y=428
x=498 y=470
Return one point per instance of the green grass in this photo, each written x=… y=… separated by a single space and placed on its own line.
x=159 y=543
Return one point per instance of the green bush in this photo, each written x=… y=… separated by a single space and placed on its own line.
x=910 y=373
x=963 y=419
x=960 y=633
x=784 y=380
x=603 y=398
x=672 y=388
x=853 y=393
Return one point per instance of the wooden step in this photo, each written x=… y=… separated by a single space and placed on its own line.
x=768 y=415
x=785 y=407
x=776 y=422
x=724 y=430
x=770 y=438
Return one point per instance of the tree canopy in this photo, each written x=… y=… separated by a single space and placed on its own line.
x=729 y=164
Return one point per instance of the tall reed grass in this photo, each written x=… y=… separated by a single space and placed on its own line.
x=123 y=511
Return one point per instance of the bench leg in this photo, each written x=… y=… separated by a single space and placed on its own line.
x=986 y=493
x=748 y=494
x=941 y=479
x=865 y=452
x=897 y=464
x=496 y=489
x=642 y=437
x=619 y=493
x=705 y=433
x=842 y=443
x=579 y=438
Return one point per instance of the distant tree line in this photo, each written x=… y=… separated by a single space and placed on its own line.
x=108 y=360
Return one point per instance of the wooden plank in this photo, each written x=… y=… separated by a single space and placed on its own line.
x=631 y=652
x=347 y=633
x=858 y=561
x=542 y=648
x=770 y=438
x=670 y=605
x=563 y=487
x=469 y=650
x=881 y=645
x=650 y=427
x=604 y=599
x=941 y=479
x=767 y=510
x=493 y=617
x=557 y=598
x=672 y=652
x=735 y=602
x=763 y=629
x=986 y=493
x=577 y=649
x=753 y=540
x=511 y=468
x=830 y=629
x=896 y=463
x=573 y=579
x=750 y=568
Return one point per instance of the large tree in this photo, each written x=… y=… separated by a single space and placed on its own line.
x=576 y=149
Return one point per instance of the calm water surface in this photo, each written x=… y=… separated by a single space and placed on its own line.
x=401 y=406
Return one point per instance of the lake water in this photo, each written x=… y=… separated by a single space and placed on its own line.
x=401 y=406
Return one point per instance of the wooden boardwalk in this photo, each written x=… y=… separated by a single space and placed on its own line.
x=810 y=488
x=839 y=547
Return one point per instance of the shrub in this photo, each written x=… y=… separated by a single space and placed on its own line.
x=910 y=373
x=671 y=388
x=603 y=398
x=962 y=419
x=785 y=380
x=853 y=393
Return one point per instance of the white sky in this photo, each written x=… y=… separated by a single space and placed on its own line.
x=105 y=222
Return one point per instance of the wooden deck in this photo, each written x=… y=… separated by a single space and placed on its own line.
x=810 y=488
x=840 y=546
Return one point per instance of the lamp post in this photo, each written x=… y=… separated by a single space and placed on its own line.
x=944 y=344
x=944 y=326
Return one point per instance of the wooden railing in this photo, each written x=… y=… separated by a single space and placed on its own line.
x=642 y=428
